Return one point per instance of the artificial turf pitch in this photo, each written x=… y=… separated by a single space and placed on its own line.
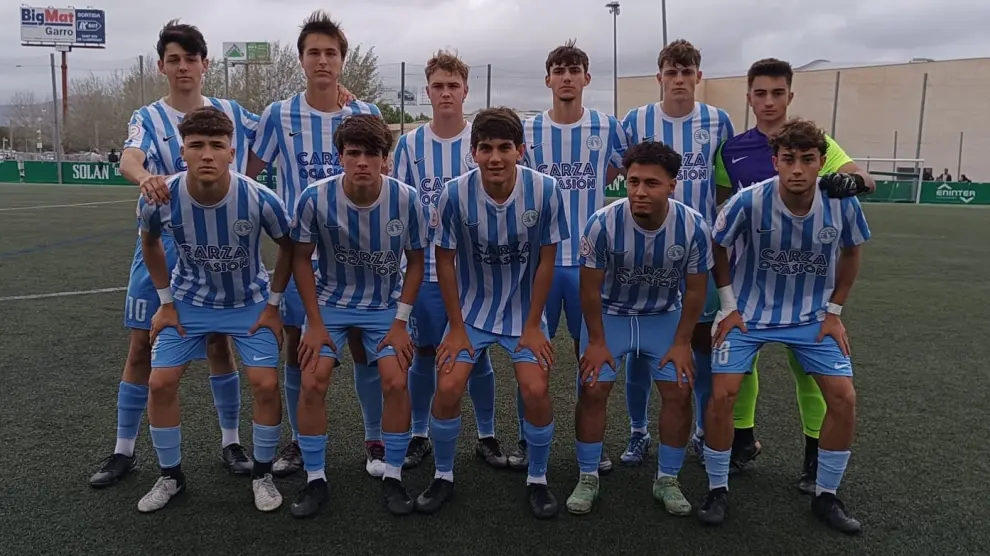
x=916 y=478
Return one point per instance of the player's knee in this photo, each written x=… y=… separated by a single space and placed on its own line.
x=139 y=353
x=723 y=400
x=448 y=393
x=596 y=396
x=674 y=397
x=394 y=384
x=840 y=398
x=313 y=387
x=163 y=386
x=534 y=391
x=264 y=387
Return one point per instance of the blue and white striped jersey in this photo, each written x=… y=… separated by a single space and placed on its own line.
x=299 y=139
x=498 y=244
x=154 y=129
x=359 y=249
x=696 y=137
x=644 y=268
x=784 y=268
x=427 y=162
x=578 y=156
x=220 y=263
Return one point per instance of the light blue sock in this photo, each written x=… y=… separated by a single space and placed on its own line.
x=717 y=466
x=291 y=384
x=422 y=385
x=670 y=460
x=396 y=444
x=521 y=413
x=265 y=440
x=831 y=468
x=638 y=383
x=227 y=399
x=314 y=451
x=444 y=433
x=538 y=441
x=368 y=386
x=168 y=445
x=481 y=386
x=702 y=386
x=589 y=454
x=131 y=401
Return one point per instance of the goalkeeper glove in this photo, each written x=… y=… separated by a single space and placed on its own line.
x=840 y=185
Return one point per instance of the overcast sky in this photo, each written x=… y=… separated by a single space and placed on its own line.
x=515 y=35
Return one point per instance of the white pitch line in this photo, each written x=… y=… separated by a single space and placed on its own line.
x=60 y=294
x=65 y=206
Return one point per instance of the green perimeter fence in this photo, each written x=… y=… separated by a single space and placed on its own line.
x=106 y=173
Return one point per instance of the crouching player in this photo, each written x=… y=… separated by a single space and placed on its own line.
x=796 y=257
x=220 y=286
x=360 y=224
x=634 y=255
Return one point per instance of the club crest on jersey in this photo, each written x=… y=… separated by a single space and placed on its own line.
x=394 y=227
x=434 y=217
x=585 y=249
x=594 y=143
x=530 y=217
x=828 y=234
x=133 y=131
x=702 y=136
x=720 y=222
x=675 y=252
x=469 y=160
x=243 y=227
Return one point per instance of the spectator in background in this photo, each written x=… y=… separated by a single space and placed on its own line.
x=945 y=176
x=927 y=175
x=113 y=157
x=965 y=178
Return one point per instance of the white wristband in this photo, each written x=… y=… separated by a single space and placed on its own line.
x=834 y=309
x=274 y=298
x=727 y=299
x=165 y=296
x=403 y=311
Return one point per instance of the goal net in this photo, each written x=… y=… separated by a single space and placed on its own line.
x=898 y=179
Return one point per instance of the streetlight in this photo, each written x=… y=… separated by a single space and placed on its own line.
x=613 y=8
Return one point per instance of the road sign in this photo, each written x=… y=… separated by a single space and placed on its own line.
x=83 y=27
x=247 y=52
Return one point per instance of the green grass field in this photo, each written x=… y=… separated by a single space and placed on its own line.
x=915 y=479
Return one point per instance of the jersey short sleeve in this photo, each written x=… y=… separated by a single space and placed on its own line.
x=835 y=157
x=274 y=217
x=416 y=234
x=140 y=137
x=594 y=244
x=700 y=258
x=618 y=141
x=726 y=130
x=149 y=217
x=306 y=228
x=554 y=228
x=402 y=162
x=721 y=172
x=444 y=219
x=729 y=224
x=265 y=144
x=855 y=230
x=247 y=121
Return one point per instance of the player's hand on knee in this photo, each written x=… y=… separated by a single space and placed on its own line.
x=725 y=325
x=594 y=357
x=681 y=356
x=155 y=190
x=271 y=320
x=452 y=345
x=165 y=317
x=537 y=342
x=312 y=342
x=832 y=326
x=398 y=337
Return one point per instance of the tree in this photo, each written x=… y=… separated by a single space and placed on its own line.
x=392 y=114
x=360 y=75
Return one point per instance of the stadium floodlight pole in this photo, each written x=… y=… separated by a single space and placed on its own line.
x=613 y=8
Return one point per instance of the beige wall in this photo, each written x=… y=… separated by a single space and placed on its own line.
x=873 y=103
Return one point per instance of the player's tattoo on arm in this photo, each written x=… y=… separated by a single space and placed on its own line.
x=590 y=289
x=846 y=273
x=541 y=284
x=415 y=270
x=447 y=276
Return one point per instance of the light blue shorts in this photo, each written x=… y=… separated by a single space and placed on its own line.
x=142 y=301
x=481 y=340
x=256 y=350
x=643 y=336
x=374 y=325
x=429 y=318
x=738 y=351
x=291 y=308
x=565 y=294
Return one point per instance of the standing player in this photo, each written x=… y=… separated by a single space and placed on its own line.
x=695 y=130
x=151 y=152
x=797 y=254
x=359 y=224
x=582 y=148
x=496 y=231
x=297 y=133
x=743 y=161
x=427 y=158
x=635 y=254
x=220 y=286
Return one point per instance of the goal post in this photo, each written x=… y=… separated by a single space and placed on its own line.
x=898 y=179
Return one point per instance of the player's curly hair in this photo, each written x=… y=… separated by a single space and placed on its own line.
x=568 y=55
x=367 y=131
x=800 y=135
x=499 y=123
x=188 y=37
x=770 y=67
x=447 y=61
x=679 y=53
x=208 y=121
x=319 y=23
x=653 y=153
